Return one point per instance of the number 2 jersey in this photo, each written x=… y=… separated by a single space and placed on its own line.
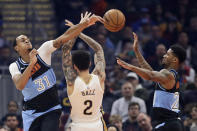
x=166 y=102
x=86 y=100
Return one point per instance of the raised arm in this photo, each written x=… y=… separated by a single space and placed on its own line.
x=75 y=30
x=164 y=77
x=142 y=62
x=99 y=58
x=69 y=73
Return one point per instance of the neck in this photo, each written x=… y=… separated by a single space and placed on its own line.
x=132 y=119
x=25 y=57
x=172 y=67
x=84 y=74
x=128 y=98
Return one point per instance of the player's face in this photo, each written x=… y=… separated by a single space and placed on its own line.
x=23 y=43
x=168 y=58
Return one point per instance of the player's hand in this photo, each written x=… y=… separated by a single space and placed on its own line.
x=135 y=43
x=32 y=56
x=123 y=64
x=68 y=23
x=90 y=19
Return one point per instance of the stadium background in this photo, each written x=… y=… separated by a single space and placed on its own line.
x=157 y=22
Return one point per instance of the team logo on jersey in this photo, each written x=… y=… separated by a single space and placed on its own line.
x=35 y=68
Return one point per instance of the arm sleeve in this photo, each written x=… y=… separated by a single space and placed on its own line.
x=46 y=50
x=13 y=68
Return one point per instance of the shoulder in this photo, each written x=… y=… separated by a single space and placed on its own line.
x=137 y=99
x=13 y=66
x=120 y=100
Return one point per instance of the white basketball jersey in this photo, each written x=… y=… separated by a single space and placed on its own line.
x=86 y=100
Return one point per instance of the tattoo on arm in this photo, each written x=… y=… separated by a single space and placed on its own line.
x=69 y=73
x=99 y=59
x=143 y=63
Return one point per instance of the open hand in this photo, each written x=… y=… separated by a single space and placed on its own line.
x=123 y=64
x=135 y=43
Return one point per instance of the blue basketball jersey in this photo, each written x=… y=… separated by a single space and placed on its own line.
x=40 y=84
x=166 y=102
x=43 y=78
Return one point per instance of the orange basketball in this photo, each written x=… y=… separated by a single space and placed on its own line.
x=114 y=20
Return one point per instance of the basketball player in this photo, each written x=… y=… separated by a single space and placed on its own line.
x=85 y=90
x=33 y=75
x=166 y=96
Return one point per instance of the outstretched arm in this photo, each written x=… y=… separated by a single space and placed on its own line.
x=99 y=58
x=142 y=62
x=69 y=73
x=164 y=76
x=75 y=30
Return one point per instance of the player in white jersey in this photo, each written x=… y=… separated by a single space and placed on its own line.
x=85 y=90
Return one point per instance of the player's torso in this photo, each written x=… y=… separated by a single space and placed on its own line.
x=166 y=102
x=42 y=78
x=86 y=100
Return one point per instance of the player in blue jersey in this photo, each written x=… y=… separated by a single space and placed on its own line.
x=166 y=96
x=33 y=75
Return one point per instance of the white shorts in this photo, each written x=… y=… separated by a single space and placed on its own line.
x=88 y=126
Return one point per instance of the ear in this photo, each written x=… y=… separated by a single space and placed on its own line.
x=175 y=60
x=16 y=48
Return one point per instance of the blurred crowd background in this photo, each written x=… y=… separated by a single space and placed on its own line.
x=128 y=99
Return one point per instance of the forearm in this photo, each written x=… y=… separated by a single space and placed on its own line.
x=91 y=42
x=69 y=73
x=24 y=78
x=72 y=32
x=142 y=62
x=144 y=73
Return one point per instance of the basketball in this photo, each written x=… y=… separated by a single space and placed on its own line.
x=114 y=20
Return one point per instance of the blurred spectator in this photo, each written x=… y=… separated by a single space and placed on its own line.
x=173 y=27
x=191 y=52
x=109 y=53
x=190 y=94
x=13 y=109
x=116 y=120
x=156 y=60
x=191 y=124
x=144 y=122
x=150 y=46
x=112 y=128
x=5 y=56
x=11 y=122
x=144 y=32
x=127 y=90
x=131 y=123
x=193 y=31
x=186 y=73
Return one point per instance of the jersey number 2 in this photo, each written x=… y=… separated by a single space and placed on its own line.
x=89 y=105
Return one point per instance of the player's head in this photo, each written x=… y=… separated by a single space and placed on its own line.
x=22 y=44
x=174 y=56
x=81 y=60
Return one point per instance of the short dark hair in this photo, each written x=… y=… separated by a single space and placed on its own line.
x=133 y=104
x=11 y=115
x=81 y=59
x=179 y=52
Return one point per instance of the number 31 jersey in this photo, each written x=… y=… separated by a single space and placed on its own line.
x=86 y=100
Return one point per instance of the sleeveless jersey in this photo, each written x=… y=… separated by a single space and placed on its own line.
x=42 y=78
x=86 y=100
x=166 y=102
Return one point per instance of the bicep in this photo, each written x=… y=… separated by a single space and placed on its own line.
x=162 y=77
